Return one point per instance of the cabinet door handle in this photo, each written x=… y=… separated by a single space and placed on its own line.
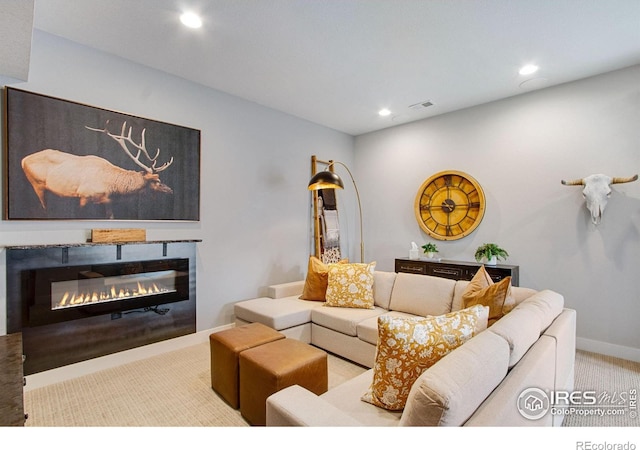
x=412 y=268
x=448 y=272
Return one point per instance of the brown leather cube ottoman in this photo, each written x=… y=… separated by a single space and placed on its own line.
x=274 y=366
x=225 y=347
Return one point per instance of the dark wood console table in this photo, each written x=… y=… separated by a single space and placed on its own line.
x=11 y=381
x=456 y=270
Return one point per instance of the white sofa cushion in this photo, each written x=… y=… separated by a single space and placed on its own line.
x=346 y=397
x=297 y=406
x=368 y=329
x=450 y=391
x=522 y=293
x=522 y=327
x=382 y=287
x=344 y=320
x=422 y=295
x=293 y=288
x=536 y=369
x=277 y=313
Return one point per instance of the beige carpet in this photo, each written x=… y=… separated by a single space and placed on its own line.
x=608 y=377
x=169 y=390
x=174 y=390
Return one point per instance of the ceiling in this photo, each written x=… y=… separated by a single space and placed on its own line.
x=337 y=62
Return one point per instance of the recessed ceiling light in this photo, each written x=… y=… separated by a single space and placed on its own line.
x=191 y=20
x=528 y=69
x=384 y=112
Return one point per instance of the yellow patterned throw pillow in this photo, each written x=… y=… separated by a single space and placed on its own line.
x=409 y=346
x=350 y=285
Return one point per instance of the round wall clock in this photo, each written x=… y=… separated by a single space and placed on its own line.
x=449 y=205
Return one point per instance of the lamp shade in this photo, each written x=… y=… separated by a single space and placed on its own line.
x=325 y=180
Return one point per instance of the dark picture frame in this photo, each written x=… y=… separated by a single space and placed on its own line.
x=65 y=160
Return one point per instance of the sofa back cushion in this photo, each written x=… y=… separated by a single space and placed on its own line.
x=522 y=327
x=422 y=295
x=382 y=287
x=449 y=392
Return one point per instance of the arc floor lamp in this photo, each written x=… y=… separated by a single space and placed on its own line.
x=327 y=179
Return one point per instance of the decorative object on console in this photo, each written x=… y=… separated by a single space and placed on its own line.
x=327 y=179
x=483 y=291
x=119 y=235
x=430 y=249
x=490 y=253
x=351 y=285
x=449 y=205
x=413 y=251
x=67 y=161
x=597 y=190
x=409 y=346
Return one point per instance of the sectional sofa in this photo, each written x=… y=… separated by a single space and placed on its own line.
x=479 y=383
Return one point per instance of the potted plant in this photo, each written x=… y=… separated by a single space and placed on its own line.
x=490 y=253
x=430 y=249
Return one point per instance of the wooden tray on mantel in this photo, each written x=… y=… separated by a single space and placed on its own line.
x=118 y=235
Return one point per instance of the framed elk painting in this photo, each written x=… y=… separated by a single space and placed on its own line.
x=69 y=161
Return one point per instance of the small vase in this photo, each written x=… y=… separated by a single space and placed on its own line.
x=430 y=255
x=490 y=262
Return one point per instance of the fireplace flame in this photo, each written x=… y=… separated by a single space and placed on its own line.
x=111 y=293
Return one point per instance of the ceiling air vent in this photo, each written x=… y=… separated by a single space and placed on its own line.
x=421 y=105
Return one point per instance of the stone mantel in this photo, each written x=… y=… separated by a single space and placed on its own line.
x=88 y=244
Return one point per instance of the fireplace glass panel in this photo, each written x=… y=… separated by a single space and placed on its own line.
x=94 y=287
x=73 y=292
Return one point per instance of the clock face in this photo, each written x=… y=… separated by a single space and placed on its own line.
x=449 y=205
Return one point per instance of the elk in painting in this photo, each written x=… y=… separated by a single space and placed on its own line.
x=92 y=179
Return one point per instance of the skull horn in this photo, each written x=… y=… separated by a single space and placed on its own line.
x=577 y=182
x=624 y=179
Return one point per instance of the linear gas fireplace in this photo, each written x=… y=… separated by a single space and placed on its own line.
x=67 y=293
x=73 y=303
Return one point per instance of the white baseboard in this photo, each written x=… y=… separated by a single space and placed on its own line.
x=64 y=373
x=604 y=348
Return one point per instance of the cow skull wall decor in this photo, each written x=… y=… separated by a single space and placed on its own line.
x=597 y=190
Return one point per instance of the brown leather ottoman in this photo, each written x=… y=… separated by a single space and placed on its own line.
x=274 y=366
x=225 y=346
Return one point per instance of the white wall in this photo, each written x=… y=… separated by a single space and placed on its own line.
x=519 y=149
x=255 y=226
x=255 y=165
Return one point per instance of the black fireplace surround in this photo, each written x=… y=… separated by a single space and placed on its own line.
x=77 y=302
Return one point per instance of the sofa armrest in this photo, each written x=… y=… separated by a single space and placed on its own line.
x=297 y=406
x=563 y=331
x=285 y=289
